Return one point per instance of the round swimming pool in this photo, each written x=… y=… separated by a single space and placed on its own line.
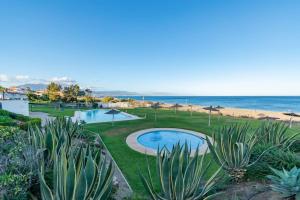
x=168 y=138
x=147 y=141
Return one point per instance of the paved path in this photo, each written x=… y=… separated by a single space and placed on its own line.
x=43 y=116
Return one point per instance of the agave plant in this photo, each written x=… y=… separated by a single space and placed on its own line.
x=181 y=176
x=47 y=141
x=231 y=149
x=80 y=176
x=287 y=183
x=275 y=134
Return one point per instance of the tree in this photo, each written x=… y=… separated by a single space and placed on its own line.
x=88 y=96
x=31 y=96
x=2 y=90
x=54 y=91
x=107 y=99
x=71 y=93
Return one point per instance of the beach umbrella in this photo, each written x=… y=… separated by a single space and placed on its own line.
x=268 y=118
x=191 y=109
x=210 y=109
x=155 y=106
x=112 y=112
x=219 y=107
x=291 y=114
x=176 y=106
x=261 y=115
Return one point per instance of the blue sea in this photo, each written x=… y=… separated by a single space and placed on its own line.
x=269 y=103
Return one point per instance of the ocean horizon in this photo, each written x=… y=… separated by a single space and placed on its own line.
x=267 y=103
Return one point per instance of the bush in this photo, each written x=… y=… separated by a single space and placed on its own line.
x=11 y=119
x=107 y=99
x=14 y=186
x=31 y=122
x=6 y=133
x=7 y=121
x=276 y=158
x=14 y=180
x=295 y=146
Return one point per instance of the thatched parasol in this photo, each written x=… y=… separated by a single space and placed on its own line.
x=210 y=108
x=155 y=106
x=112 y=112
x=268 y=118
x=176 y=106
x=191 y=109
x=219 y=107
x=291 y=114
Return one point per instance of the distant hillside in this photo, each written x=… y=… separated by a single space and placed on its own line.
x=33 y=86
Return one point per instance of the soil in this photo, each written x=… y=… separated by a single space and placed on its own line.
x=249 y=191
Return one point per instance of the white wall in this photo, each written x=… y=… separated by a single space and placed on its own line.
x=16 y=106
x=114 y=105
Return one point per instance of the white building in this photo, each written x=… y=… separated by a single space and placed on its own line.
x=13 y=96
x=14 y=102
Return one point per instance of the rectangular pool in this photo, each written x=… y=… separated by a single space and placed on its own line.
x=98 y=115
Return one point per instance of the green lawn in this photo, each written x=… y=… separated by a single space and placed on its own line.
x=130 y=161
x=52 y=111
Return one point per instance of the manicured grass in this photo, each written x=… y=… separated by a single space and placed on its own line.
x=52 y=111
x=132 y=162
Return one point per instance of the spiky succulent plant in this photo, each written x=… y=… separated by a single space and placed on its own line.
x=48 y=140
x=81 y=176
x=275 y=133
x=181 y=176
x=231 y=149
x=285 y=182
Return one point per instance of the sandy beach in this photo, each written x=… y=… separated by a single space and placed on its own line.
x=235 y=112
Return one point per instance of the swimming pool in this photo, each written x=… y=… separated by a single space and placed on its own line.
x=98 y=115
x=147 y=141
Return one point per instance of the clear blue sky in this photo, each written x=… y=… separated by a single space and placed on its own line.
x=201 y=47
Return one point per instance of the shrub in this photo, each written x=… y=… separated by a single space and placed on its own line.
x=276 y=158
x=287 y=183
x=14 y=186
x=11 y=119
x=107 y=99
x=180 y=175
x=14 y=181
x=31 y=122
x=295 y=147
x=7 y=133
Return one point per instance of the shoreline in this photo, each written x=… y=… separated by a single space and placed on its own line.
x=229 y=111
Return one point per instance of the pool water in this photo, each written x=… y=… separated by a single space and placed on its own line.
x=94 y=116
x=168 y=138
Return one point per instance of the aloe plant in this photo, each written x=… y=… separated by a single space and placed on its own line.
x=80 y=176
x=275 y=134
x=231 y=149
x=47 y=141
x=287 y=183
x=181 y=176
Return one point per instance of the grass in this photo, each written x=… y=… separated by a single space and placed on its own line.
x=52 y=111
x=132 y=162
